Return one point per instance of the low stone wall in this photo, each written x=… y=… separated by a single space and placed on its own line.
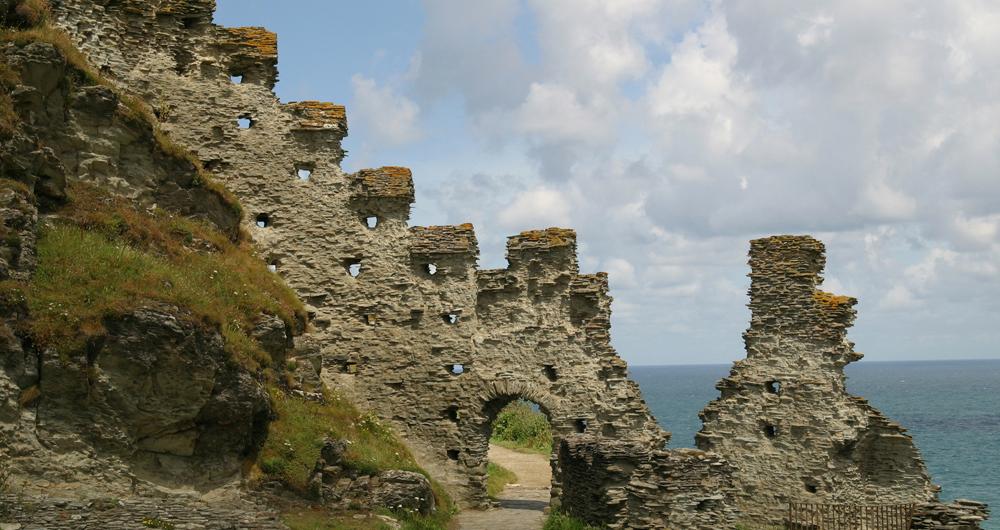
x=36 y=513
x=958 y=515
x=624 y=485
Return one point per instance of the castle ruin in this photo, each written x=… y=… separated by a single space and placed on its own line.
x=404 y=320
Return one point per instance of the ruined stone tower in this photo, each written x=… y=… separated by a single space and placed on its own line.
x=401 y=315
x=784 y=420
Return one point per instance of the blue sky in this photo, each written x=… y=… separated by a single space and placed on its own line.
x=671 y=133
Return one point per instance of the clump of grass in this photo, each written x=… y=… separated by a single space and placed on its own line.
x=296 y=437
x=497 y=478
x=520 y=427
x=105 y=258
x=26 y=13
x=561 y=521
x=8 y=117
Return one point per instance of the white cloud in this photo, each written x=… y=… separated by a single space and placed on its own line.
x=537 y=208
x=390 y=117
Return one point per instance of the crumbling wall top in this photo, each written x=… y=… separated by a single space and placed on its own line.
x=385 y=182
x=187 y=8
x=251 y=40
x=320 y=115
x=542 y=239
x=435 y=240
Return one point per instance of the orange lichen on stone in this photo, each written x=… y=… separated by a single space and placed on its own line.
x=832 y=300
x=548 y=238
x=387 y=182
x=261 y=41
x=319 y=115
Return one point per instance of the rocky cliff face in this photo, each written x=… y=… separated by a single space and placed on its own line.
x=155 y=399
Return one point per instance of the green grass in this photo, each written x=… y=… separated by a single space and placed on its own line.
x=105 y=258
x=295 y=439
x=497 y=477
x=560 y=521
x=518 y=426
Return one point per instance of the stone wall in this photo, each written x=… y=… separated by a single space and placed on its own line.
x=619 y=485
x=18 y=512
x=403 y=318
x=785 y=421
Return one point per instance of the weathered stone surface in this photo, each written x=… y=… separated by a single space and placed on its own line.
x=161 y=396
x=90 y=135
x=19 y=512
x=619 y=485
x=392 y=332
x=785 y=421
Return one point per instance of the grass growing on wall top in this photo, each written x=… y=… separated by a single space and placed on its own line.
x=522 y=428
x=104 y=258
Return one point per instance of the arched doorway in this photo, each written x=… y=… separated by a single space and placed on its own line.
x=518 y=439
x=519 y=466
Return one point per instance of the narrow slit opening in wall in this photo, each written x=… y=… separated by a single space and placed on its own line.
x=453 y=454
x=353 y=267
x=812 y=488
x=371 y=221
x=456 y=369
x=580 y=425
x=263 y=220
x=550 y=372
x=245 y=121
x=452 y=413
x=431 y=268
x=303 y=172
x=451 y=318
x=773 y=387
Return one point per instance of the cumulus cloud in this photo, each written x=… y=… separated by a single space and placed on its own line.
x=671 y=132
x=391 y=118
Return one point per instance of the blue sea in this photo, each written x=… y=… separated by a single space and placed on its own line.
x=952 y=409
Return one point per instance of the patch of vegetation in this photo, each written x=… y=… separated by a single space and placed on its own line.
x=153 y=522
x=296 y=437
x=497 y=477
x=522 y=428
x=105 y=258
x=561 y=521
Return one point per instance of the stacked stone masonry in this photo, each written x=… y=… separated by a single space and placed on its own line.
x=404 y=320
x=402 y=316
x=785 y=421
x=43 y=513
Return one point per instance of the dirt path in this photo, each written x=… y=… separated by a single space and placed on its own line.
x=522 y=504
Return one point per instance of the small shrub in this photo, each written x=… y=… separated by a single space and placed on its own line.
x=497 y=478
x=519 y=426
x=561 y=521
x=26 y=13
x=29 y=395
x=153 y=522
